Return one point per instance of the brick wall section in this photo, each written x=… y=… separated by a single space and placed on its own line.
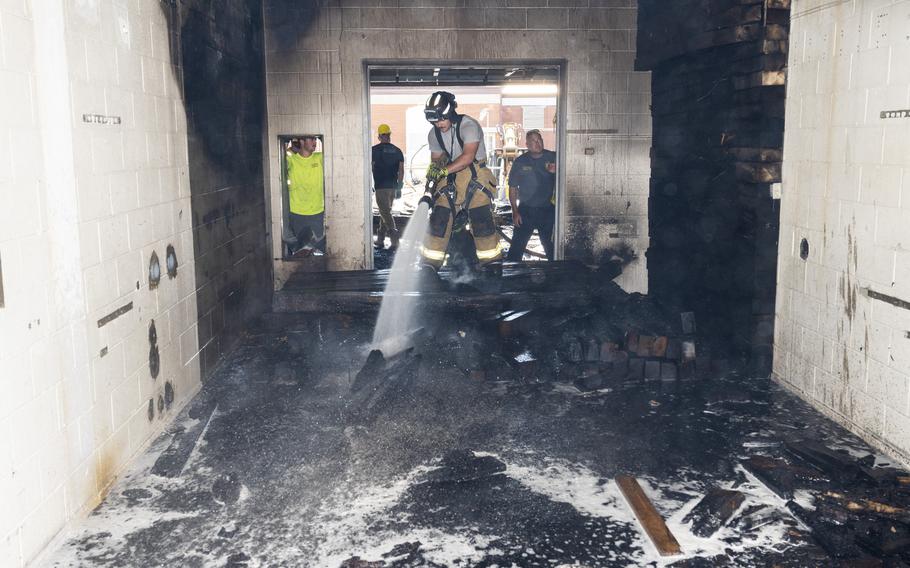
x=315 y=83
x=718 y=110
x=846 y=191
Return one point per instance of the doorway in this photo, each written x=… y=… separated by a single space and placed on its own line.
x=507 y=100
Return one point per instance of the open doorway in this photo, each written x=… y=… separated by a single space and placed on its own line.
x=509 y=102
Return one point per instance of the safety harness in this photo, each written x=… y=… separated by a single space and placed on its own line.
x=473 y=186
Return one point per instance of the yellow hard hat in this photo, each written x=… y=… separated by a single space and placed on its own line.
x=384 y=129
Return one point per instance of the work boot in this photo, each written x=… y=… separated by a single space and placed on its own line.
x=396 y=235
x=429 y=278
x=380 y=240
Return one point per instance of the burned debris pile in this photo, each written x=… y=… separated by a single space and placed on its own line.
x=844 y=509
x=857 y=512
x=617 y=337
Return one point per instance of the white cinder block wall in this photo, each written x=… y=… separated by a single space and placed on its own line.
x=82 y=207
x=842 y=335
x=315 y=83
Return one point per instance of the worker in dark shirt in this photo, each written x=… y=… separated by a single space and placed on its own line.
x=388 y=176
x=532 y=181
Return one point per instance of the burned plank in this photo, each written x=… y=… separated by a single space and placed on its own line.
x=882 y=476
x=781 y=477
x=647 y=515
x=713 y=511
x=866 y=505
x=758 y=516
x=374 y=363
x=836 y=465
x=838 y=540
x=384 y=383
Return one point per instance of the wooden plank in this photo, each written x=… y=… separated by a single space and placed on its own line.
x=648 y=516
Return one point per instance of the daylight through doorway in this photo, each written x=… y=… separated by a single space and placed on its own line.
x=507 y=101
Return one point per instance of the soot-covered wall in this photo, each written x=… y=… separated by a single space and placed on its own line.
x=718 y=70
x=315 y=75
x=221 y=50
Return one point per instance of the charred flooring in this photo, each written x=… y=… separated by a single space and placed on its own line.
x=296 y=454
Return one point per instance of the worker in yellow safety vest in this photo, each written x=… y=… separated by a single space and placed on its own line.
x=464 y=185
x=306 y=198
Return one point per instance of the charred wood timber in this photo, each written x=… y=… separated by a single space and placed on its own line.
x=866 y=505
x=713 y=511
x=381 y=383
x=837 y=539
x=883 y=476
x=521 y=287
x=836 y=465
x=781 y=477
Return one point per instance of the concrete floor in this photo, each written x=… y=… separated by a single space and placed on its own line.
x=277 y=463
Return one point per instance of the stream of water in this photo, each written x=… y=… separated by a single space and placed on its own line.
x=399 y=300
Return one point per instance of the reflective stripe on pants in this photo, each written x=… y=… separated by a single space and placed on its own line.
x=488 y=247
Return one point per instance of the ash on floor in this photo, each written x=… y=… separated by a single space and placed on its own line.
x=297 y=454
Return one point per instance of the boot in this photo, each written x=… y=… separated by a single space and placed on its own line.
x=395 y=235
x=429 y=279
x=380 y=240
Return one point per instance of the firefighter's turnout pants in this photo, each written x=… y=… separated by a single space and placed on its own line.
x=470 y=194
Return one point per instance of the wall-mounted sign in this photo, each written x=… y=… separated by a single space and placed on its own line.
x=100 y=119
x=895 y=114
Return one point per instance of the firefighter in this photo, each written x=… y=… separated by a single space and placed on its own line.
x=464 y=186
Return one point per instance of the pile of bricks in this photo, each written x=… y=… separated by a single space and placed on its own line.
x=637 y=357
x=596 y=349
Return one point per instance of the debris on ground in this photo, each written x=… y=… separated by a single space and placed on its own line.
x=713 y=511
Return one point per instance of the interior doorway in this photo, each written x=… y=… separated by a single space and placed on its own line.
x=508 y=101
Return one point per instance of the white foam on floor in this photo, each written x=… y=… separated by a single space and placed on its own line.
x=349 y=528
x=591 y=495
x=575 y=484
x=770 y=537
x=362 y=520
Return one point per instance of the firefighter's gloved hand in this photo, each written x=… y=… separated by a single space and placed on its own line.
x=436 y=173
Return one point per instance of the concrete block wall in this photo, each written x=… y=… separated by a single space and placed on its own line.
x=95 y=176
x=315 y=84
x=221 y=47
x=842 y=321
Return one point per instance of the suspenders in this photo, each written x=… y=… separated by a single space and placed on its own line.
x=473 y=186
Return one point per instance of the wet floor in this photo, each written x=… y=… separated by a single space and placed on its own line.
x=288 y=457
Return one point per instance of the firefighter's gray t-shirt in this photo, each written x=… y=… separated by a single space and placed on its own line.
x=471 y=131
x=535 y=184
